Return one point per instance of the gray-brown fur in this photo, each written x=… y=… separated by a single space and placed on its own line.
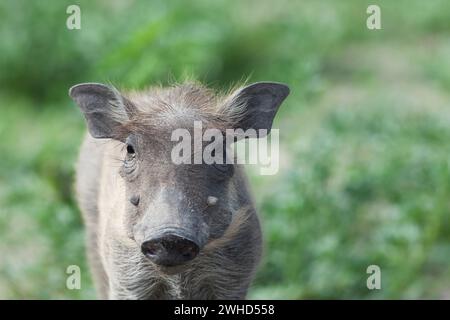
x=127 y=198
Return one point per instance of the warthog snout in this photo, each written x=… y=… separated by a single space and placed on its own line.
x=170 y=250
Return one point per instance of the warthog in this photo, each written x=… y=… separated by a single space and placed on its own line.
x=159 y=230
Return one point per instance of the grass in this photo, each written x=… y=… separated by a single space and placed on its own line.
x=365 y=175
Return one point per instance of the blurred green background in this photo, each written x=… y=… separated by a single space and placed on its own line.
x=365 y=133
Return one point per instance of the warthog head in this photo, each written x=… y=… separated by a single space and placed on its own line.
x=173 y=210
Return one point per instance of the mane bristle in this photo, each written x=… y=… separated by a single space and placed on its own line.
x=186 y=101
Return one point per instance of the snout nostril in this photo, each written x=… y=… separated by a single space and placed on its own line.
x=150 y=249
x=170 y=250
x=189 y=251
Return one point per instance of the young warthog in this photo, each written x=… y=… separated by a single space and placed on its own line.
x=159 y=230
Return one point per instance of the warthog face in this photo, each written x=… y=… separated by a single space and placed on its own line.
x=173 y=210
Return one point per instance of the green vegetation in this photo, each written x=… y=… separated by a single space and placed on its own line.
x=365 y=134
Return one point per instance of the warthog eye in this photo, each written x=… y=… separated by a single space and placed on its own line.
x=224 y=170
x=130 y=149
x=131 y=142
x=130 y=159
x=221 y=167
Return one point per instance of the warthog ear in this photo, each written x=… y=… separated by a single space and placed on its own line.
x=257 y=105
x=103 y=107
